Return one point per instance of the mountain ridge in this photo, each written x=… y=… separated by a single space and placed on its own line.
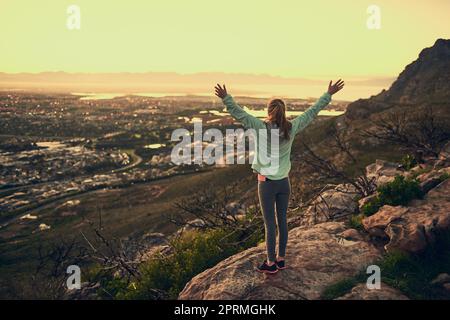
x=426 y=79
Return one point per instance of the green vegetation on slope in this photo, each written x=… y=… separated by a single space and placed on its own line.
x=412 y=274
x=398 y=192
x=127 y=212
x=193 y=253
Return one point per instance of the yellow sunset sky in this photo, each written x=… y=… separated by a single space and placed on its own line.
x=288 y=38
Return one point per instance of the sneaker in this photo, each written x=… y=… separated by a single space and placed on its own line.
x=265 y=268
x=280 y=264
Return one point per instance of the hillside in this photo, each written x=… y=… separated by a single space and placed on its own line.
x=340 y=233
x=422 y=86
x=378 y=202
x=424 y=81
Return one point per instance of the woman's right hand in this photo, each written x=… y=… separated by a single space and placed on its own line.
x=221 y=92
x=333 y=88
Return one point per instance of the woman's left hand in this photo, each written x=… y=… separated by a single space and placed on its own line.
x=221 y=92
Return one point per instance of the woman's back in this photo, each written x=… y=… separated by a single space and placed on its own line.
x=273 y=159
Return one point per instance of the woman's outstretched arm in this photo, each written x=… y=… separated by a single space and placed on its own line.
x=236 y=111
x=302 y=121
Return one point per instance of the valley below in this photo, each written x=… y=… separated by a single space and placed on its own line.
x=91 y=182
x=68 y=163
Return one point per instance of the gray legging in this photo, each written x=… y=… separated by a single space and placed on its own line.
x=271 y=193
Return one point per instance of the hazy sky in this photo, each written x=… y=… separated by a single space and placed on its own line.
x=292 y=38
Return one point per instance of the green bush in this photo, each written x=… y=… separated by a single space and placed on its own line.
x=412 y=274
x=371 y=207
x=341 y=288
x=444 y=176
x=193 y=253
x=408 y=162
x=398 y=192
x=356 y=221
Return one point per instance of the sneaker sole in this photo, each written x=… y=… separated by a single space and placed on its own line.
x=281 y=268
x=266 y=271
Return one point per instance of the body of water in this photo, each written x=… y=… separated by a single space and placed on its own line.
x=263 y=113
x=256 y=113
x=154 y=146
x=51 y=144
x=352 y=91
x=97 y=96
x=106 y=96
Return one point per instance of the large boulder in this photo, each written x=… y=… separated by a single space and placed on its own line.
x=192 y=225
x=332 y=204
x=363 y=201
x=383 y=172
x=88 y=291
x=441 y=278
x=144 y=247
x=441 y=193
x=317 y=258
x=444 y=157
x=352 y=235
x=361 y=292
x=235 y=209
x=412 y=229
x=429 y=180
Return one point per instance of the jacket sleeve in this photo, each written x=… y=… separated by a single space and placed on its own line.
x=303 y=120
x=241 y=115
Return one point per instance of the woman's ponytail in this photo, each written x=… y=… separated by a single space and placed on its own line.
x=276 y=111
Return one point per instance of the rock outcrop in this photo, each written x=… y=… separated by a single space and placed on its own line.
x=318 y=258
x=412 y=229
x=383 y=172
x=441 y=279
x=323 y=253
x=428 y=76
x=361 y=292
x=424 y=80
x=444 y=157
x=429 y=180
x=146 y=246
x=192 y=225
x=344 y=200
x=331 y=204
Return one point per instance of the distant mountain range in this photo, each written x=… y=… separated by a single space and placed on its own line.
x=196 y=83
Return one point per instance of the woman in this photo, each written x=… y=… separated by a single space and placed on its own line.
x=274 y=189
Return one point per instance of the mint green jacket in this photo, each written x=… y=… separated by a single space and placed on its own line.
x=284 y=150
